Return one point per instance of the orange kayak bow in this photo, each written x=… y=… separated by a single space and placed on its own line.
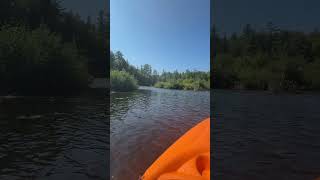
x=187 y=159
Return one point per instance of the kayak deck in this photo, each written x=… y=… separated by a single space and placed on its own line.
x=188 y=158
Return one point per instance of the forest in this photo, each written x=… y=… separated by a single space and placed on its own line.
x=266 y=59
x=45 y=49
x=126 y=77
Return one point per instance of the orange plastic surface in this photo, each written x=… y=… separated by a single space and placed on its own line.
x=188 y=158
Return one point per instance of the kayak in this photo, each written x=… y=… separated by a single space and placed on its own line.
x=188 y=158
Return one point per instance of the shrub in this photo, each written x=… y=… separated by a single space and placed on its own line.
x=38 y=62
x=122 y=81
x=185 y=84
x=311 y=74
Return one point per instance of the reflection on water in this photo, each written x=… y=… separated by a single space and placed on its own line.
x=144 y=123
x=263 y=136
x=53 y=138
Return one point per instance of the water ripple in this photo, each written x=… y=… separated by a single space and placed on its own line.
x=263 y=136
x=54 y=138
x=145 y=123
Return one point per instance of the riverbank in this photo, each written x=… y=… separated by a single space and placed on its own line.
x=182 y=89
x=302 y=92
x=148 y=87
x=126 y=77
x=187 y=84
x=269 y=58
x=40 y=54
x=95 y=86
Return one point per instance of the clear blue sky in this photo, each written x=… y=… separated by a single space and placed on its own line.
x=167 y=34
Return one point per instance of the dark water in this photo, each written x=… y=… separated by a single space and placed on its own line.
x=146 y=122
x=262 y=136
x=54 y=138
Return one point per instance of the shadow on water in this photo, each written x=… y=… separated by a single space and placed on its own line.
x=144 y=123
x=53 y=138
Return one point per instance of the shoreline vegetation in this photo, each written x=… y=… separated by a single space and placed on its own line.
x=45 y=50
x=126 y=77
x=269 y=59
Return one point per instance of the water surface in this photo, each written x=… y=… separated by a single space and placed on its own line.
x=145 y=122
x=54 y=138
x=258 y=135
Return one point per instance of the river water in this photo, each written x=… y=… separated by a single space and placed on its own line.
x=257 y=135
x=54 y=138
x=145 y=122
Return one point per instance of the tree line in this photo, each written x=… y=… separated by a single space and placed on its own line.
x=46 y=49
x=125 y=76
x=267 y=59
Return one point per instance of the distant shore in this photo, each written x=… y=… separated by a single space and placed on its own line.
x=269 y=91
